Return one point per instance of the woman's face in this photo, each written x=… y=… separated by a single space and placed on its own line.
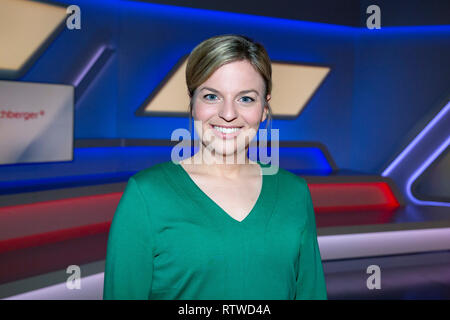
x=230 y=107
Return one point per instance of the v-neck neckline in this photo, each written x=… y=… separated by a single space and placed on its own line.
x=196 y=189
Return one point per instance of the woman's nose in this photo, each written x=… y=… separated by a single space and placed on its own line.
x=228 y=111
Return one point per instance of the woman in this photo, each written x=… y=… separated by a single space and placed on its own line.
x=211 y=227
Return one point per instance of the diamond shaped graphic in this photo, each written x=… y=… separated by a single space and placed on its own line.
x=26 y=28
x=293 y=86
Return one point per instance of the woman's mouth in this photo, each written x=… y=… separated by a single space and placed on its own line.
x=226 y=132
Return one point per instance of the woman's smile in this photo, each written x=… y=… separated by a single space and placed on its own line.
x=226 y=132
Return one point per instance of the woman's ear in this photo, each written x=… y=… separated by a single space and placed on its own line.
x=264 y=116
x=266 y=109
x=191 y=108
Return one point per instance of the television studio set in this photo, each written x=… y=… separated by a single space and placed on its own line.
x=304 y=147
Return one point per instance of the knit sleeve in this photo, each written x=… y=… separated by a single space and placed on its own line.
x=311 y=280
x=129 y=258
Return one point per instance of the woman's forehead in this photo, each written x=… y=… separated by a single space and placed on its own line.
x=235 y=77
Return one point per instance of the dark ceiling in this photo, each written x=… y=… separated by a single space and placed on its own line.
x=340 y=12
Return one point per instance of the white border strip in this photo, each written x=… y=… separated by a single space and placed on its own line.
x=331 y=247
x=91 y=289
x=383 y=243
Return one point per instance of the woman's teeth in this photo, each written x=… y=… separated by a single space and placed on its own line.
x=226 y=130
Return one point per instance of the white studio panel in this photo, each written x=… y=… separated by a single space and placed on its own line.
x=36 y=122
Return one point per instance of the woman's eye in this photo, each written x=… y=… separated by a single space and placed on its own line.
x=210 y=96
x=248 y=99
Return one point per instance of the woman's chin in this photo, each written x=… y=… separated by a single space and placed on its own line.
x=221 y=152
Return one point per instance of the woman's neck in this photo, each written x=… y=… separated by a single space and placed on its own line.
x=232 y=167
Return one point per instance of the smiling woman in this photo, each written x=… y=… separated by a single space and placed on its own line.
x=221 y=106
x=229 y=83
x=209 y=227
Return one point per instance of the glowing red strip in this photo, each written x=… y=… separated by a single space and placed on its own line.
x=385 y=200
x=332 y=197
x=36 y=240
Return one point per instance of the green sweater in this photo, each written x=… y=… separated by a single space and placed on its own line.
x=169 y=240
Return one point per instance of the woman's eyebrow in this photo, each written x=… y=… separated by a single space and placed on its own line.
x=243 y=91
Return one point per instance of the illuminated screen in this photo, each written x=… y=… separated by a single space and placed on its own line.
x=36 y=122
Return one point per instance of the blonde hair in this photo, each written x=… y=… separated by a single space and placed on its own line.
x=212 y=53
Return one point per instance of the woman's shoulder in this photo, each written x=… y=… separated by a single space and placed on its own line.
x=292 y=181
x=285 y=177
x=153 y=175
